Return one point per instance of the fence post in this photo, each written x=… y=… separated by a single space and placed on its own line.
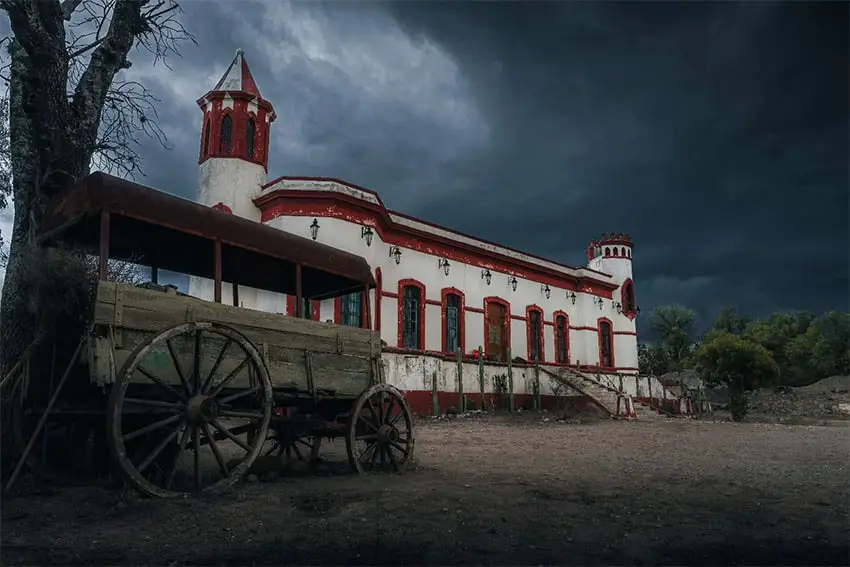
x=462 y=403
x=537 y=386
x=510 y=382
x=481 y=377
x=434 y=397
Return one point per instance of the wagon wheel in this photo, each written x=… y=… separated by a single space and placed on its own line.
x=193 y=387
x=304 y=449
x=380 y=431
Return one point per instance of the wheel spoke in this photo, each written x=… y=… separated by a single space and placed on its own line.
x=177 y=367
x=215 y=450
x=375 y=448
x=229 y=377
x=158 y=449
x=275 y=445
x=162 y=384
x=400 y=447
x=371 y=425
x=151 y=427
x=389 y=413
x=242 y=394
x=218 y=360
x=196 y=371
x=154 y=403
x=180 y=448
x=196 y=441
x=367 y=437
x=229 y=435
x=245 y=414
x=388 y=450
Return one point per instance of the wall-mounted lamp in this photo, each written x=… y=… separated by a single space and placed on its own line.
x=598 y=301
x=618 y=306
x=512 y=282
x=314 y=229
x=571 y=295
x=366 y=232
x=486 y=276
x=544 y=289
x=444 y=264
x=395 y=253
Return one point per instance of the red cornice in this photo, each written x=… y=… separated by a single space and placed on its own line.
x=334 y=205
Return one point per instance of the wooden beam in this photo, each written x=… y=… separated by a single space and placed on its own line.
x=217 y=277
x=103 y=267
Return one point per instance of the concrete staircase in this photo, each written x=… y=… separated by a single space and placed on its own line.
x=601 y=390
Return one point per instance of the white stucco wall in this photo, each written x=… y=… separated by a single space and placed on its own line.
x=231 y=181
x=424 y=268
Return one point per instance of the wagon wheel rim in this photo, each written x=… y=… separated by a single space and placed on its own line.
x=380 y=431
x=190 y=414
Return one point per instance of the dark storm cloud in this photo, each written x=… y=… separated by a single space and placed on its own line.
x=715 y=133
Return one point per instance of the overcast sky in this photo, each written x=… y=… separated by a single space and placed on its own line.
x=716 y=134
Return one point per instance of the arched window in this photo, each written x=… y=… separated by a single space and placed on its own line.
x=562 y=337
x=411 y=299
x=607 y=252
x=534 y=323
x=351 y=309
x=629 y=297
x=452 y=303
x=206 y=138
x=616 y=251
x=249 y=138
x=226 y=135
x=623 y=253
x=606 y=344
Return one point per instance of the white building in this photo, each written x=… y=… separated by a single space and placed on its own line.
x=438 y=290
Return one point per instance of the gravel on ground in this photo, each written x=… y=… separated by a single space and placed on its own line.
x=513 y=490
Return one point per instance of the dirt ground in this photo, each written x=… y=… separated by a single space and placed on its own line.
x=491 y=490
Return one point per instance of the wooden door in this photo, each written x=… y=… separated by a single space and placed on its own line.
x=497 y=336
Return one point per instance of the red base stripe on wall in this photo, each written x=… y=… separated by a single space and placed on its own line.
x=422 y=402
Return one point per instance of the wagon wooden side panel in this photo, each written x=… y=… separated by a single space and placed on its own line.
x=304 y=358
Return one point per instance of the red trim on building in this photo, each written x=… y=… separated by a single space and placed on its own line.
x=630 y=333
x=283 y=202
x=473 y=309
x=627 y=288
x=566 y=317
x=528 y=331
x=379 y=285
x=239 y=114
x=316 y=311
x=223 y=208
x=315 y=308
x=610 y=341
x=400 y=301
x=507 y=305
x=290 y=305
x=461 y=324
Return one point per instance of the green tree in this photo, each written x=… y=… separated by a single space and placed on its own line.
x=737 y=362
x=776 y=334
x=674 y=327
x=653 y=359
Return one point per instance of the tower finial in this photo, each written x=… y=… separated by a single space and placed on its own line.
x=240 y=52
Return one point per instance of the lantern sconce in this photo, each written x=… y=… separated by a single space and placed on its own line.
x=367 y=233
x=512 y=282
x=571 y=295
x=314 y=229
x=443 y=264
x=544 y=289
x=618 y=306
x=598 y=301
x=395 y=253
x=486 y=276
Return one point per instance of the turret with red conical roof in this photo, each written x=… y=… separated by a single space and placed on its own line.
x=234 y=151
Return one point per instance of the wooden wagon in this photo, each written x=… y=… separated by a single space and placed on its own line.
x=183 y=394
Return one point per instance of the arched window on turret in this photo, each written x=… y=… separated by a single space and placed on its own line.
x=629 y=297
x=249 y=138
x=206 y=138
x=226 y=135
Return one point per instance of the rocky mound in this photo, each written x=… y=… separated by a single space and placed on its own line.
x=826 y=398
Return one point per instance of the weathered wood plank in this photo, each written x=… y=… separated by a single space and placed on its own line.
x=152 y=311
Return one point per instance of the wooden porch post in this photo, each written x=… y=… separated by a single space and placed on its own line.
x=103 y=265
x=366 y=316
x=217 y=276
x=299 y=301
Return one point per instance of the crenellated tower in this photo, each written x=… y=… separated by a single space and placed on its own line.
x=612 y=254
x=234 y=153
